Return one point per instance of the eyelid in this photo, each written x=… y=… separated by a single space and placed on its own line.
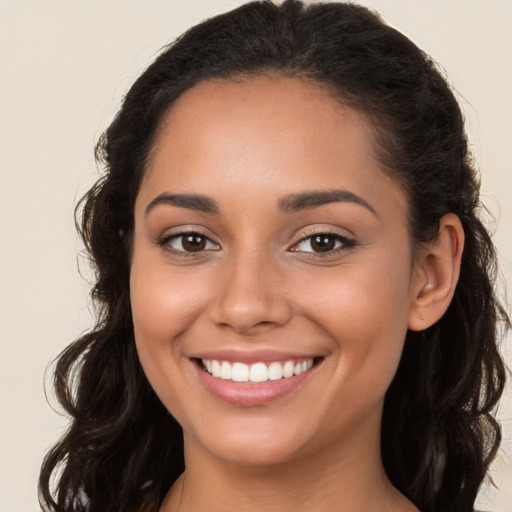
x=347 y=242
x=182 y=231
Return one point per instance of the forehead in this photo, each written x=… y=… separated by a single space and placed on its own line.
x=274 y=131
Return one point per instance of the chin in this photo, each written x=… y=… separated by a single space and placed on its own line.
x=259 y=442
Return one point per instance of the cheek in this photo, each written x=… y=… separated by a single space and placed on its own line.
x=163 y=307
x=163 y=303
x=364 y=309
x=364 y=297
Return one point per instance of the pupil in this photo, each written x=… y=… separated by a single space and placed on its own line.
x=322 y=243
x=193 y=243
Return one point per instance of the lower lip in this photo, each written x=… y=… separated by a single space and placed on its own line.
x=249 y=394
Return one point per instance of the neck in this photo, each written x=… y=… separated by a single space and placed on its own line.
x=341 y=478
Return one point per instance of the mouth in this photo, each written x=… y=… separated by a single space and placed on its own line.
x=257 y=372
x=256 y=383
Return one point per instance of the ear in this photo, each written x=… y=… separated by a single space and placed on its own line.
x=436 y=273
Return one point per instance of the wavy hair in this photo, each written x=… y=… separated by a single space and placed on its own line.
x=123 y=449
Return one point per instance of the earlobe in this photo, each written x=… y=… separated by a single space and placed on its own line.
x=436 y=274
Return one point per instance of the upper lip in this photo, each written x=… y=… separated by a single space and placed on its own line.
x=252 y=356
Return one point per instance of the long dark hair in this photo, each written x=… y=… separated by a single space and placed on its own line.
x=123 y=449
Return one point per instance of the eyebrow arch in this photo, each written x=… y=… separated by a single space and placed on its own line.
x=190 y=201
x=316 y=198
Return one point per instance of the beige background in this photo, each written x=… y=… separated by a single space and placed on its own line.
x=64 y=66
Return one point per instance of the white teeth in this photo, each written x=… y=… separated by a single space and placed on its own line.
x=257 y=372
x=288 y=369
x=225 y=370
x=275 y=371
x=215 y=368
x=239 y=372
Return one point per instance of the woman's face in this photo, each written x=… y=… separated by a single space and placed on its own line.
x=267 y=239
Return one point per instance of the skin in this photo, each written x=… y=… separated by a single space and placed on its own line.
x=258 y=284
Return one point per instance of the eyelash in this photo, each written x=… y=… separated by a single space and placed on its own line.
x=165 y=241
x=343 y=242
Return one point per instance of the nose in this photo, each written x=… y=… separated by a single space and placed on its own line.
x=251 y=296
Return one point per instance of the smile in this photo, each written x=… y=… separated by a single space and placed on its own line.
x=257 y=372
x=259 y=380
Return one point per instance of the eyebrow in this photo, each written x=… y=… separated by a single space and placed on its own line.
x=289 y=204
x=196 y=202
x=316 y=198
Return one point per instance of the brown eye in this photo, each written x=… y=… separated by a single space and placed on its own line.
x=188 y=243
x=322 y=243
x=193 y=243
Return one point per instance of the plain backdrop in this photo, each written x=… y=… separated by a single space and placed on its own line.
x=64 y=67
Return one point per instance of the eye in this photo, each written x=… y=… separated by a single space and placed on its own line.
x=191 y=242
x=322 y=243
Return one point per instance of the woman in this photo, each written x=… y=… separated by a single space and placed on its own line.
x=296 y=293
